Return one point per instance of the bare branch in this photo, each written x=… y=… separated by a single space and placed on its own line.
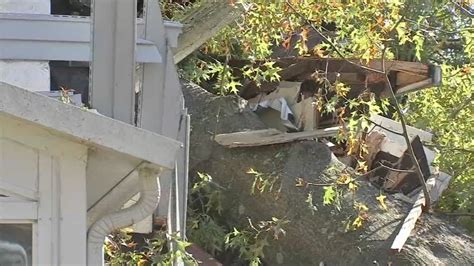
x=384 y=128
x=410 y=148
x=446 y=148
x=394 y=169
x=463 y=9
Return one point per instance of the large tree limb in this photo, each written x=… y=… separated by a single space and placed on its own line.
x=311 y=238
x=203 y=23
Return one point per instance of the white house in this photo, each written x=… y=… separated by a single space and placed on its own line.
x=66 y=172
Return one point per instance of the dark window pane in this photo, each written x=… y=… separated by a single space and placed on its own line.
x=15 y=244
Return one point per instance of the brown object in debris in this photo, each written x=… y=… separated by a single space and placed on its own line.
x=203 y=258
x=374 y=142
x=308 y=88
x=397 y=174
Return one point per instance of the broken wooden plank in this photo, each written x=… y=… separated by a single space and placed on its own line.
x=409 y=223
x=270 y=136
x=410 y=220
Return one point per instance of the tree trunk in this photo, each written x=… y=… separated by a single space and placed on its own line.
x=203 y=23
x=310 y=238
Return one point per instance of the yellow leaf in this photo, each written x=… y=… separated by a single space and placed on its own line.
x=344 y=179
x=353 y=145
x=300 y=182
x=352 y=186
x=319 y=52
x=286 y=43
x=362 y=207
x=342 y=90
x=251 y=171
x=142 y=262
x=357 y=222
x=381 y=200
x=362 y=166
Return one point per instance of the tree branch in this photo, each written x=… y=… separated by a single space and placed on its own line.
x=469 y=13
x=397 y=106
x=426 y=193
x=464 y=104
x=384 y=128
x=325 y=39
x=441 y=147
x=394 y=169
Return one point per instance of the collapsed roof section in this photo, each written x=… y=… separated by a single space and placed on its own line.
x=404 y=76
x=291 y=105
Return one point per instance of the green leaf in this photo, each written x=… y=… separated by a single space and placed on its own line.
x=329 y=195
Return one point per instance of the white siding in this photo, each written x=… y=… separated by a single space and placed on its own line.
x=30 y=75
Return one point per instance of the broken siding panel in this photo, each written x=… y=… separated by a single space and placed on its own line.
x=270 y=136
x=305 y=114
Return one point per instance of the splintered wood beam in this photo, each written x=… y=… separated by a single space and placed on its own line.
x=269 y=137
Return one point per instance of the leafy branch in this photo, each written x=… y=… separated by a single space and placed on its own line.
x=392 y=94
x=308 y=22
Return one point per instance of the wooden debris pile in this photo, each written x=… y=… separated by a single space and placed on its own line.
x=294 y=103
x=291 y=105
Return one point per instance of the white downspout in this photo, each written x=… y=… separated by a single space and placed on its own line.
x=146 y=205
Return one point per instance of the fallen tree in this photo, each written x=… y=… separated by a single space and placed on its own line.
x=312 y=236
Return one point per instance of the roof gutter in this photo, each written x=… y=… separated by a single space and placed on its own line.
x=149 y=199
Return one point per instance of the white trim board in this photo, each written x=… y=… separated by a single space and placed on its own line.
x=15 y=49
x=14 y=209
x=68 y=38
x=38 y=26
x=87 y=127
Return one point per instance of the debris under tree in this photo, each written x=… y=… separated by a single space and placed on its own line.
x=312 y=236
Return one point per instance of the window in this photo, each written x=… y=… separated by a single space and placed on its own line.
x=16 y=240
